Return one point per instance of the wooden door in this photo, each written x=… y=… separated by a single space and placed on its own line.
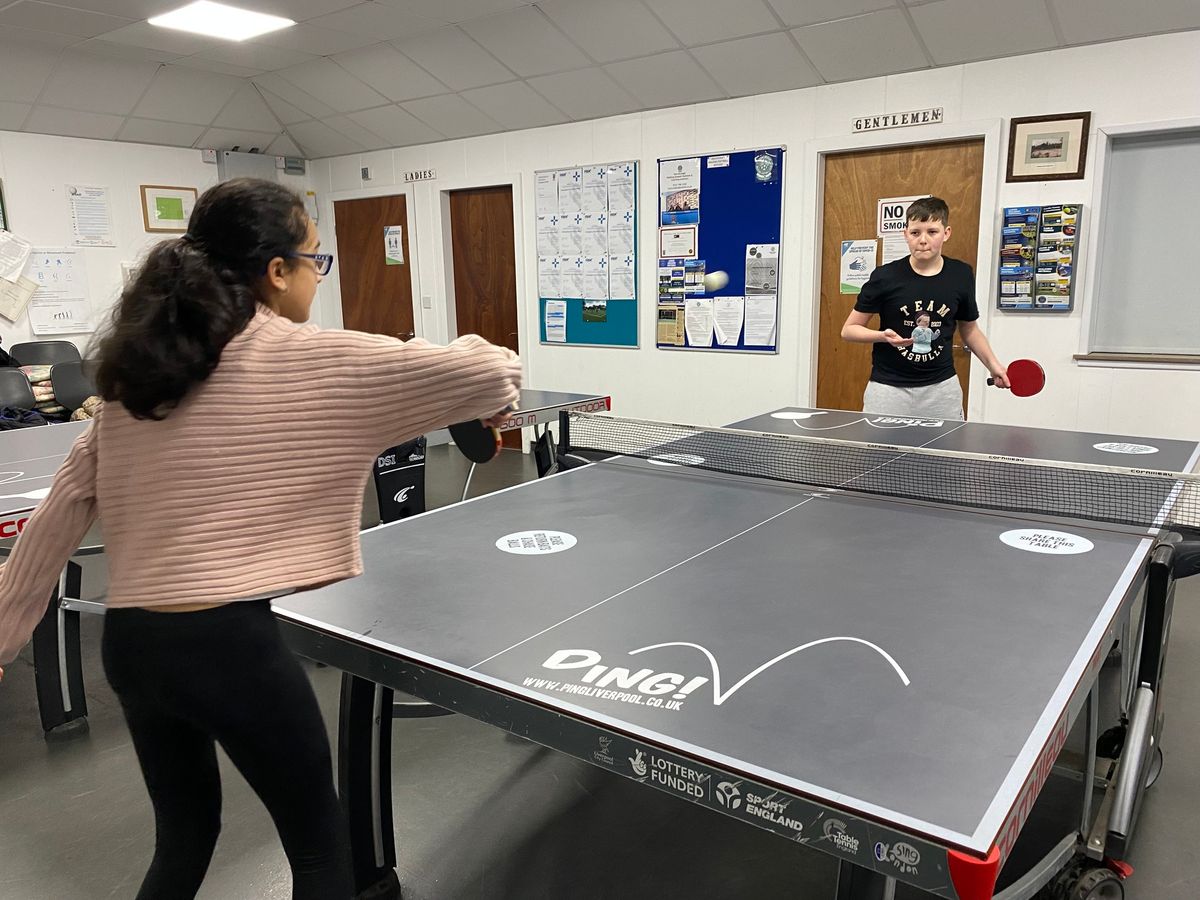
x=376 y=284
x=854 y=183
x=485 y=268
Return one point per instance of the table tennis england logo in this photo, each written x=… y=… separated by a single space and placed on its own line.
x=837 y=833
x=592 y=677
x=905 y=857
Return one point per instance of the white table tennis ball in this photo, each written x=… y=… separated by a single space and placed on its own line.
x=714 y=281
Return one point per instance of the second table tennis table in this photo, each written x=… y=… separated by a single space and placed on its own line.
x=884 y=680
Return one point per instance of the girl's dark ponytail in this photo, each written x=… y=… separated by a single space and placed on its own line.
x=192 y=295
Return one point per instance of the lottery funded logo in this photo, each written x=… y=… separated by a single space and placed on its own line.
x=649 y=768
x=905 y=857
x=1041 y=540
x=536 y=543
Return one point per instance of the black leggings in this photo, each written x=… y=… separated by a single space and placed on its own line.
x=188 y=680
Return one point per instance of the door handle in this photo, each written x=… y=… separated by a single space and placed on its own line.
x=405 y=335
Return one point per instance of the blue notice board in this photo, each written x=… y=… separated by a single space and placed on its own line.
x=720 y=231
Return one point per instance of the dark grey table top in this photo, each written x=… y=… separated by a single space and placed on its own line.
x=905 y=661
x=29 y=458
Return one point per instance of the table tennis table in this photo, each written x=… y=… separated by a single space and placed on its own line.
x=32 y=456
x=885 y=680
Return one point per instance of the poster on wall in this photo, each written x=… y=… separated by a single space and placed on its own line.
x=62 y=303
x=891 y=224
x=857 y=264
x=586 y=228
x=91 y=216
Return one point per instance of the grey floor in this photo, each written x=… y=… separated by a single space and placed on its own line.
x=483 y=815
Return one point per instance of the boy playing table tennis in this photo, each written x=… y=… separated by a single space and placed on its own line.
x=920 y=299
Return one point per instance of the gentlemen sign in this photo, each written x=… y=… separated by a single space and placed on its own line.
x=899 y=120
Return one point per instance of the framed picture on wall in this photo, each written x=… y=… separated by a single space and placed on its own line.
x=166 y=209
x=1048 y=148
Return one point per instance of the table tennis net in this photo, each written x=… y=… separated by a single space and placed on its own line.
x=1141 y=498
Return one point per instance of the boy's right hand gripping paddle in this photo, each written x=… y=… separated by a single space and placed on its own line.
x=1025 y=377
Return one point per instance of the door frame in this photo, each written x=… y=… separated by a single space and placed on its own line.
x=445 y=272
x=815 y=152
x=329 y=236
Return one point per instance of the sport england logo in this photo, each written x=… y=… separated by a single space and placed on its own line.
x=728 y=795
x=904 y=857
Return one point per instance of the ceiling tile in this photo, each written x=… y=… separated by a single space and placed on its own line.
x=809 y=12
x=256 y=56
x=778 y=65
x=149 y=131
x=228 y=138
x=669 y=79
x=332 y=85
x=618 y=29
x=514 y=105
x=284 y=146
x=362 y=136
x=186 y=95
x=703 y=23
x=379 y=21
x=97 y=85
x=585 y=93
x=99 y=47
x=143 y=34
x=285 y=90
x=956 y=31
x=31 y=37
x=247 y=110
x=129 y=9
x=284 y=111
x=47 y=120
x=1087 y=20
x=454 y=59
x=13 y=114
x=526 y=42
x=300 y=10
x=390 y=72
x=213 y=65
x=879 y=43
x=317 y=41
x=23 y=70
x=316 y=139
x=46 y=17
x=395 y=126
x=451 y=115
x=458 y=10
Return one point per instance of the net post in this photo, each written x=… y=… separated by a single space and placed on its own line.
x=564 y=431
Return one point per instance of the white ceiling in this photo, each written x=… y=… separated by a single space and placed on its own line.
x=356 y=75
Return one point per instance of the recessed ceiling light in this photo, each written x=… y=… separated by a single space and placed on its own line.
x=220 y=21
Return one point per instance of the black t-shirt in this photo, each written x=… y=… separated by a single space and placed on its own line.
x=903 y=299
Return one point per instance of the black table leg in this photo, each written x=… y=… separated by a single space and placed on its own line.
x=58 y=670
x=857 y=883
x=365 y=786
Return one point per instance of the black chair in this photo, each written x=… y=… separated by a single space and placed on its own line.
x=44 y=353
x=15 y=389
x=71 y=384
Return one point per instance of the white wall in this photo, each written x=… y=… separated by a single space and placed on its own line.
x=1143 y=80
x=36 y=168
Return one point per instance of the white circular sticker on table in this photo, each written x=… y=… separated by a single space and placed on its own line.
x=534 y=543
x=1041 y=540
x=794 y=415
x=677 y=459
x=1121 y=447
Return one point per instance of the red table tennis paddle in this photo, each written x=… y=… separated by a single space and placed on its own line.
x=1025 y=377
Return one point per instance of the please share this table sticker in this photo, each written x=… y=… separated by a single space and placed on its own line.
x=1037 y=540
x=1122 y=447
x=534 y=543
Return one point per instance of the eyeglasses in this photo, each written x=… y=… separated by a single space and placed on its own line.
x=322 y=262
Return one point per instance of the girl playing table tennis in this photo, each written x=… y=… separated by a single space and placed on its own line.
x=228 y=464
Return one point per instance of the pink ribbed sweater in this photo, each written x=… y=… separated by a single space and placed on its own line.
x=255 y=482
